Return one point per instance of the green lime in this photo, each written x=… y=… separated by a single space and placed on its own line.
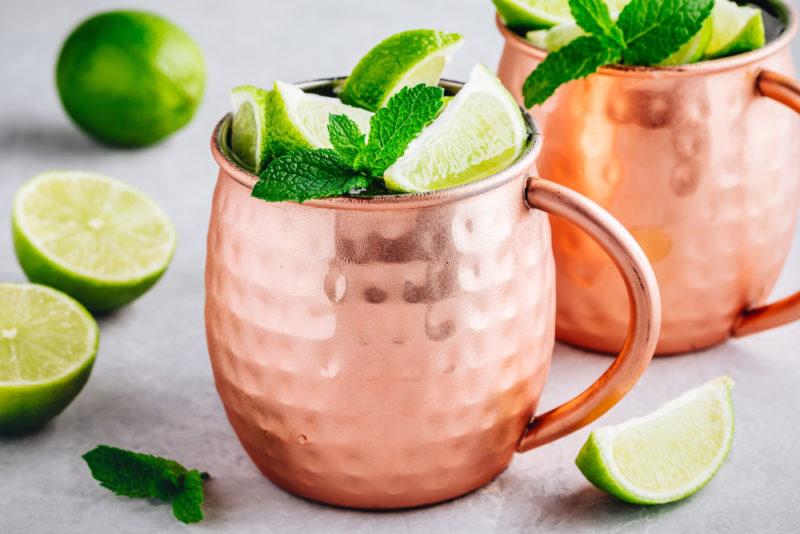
x=48 y=343
x=95 y=238
x=694 y=49
x=296 y=119
x=403 y=60
x=479 y=133
x=667 y=455
x=737 y=29
x=524 y=15
x=130 y=78
x=249 y=127
x=556 y=37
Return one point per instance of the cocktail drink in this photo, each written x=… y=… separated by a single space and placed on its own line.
x=377 y=349
x=699 y=162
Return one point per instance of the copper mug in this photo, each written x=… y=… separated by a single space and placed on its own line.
x=389 y=352
x=699 y=166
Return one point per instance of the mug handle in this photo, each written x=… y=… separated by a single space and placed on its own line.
x=645 y=312
x=786 y=91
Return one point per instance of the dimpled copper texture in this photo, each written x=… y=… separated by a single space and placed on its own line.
x=699 y=167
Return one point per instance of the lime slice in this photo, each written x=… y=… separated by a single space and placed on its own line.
x=737 y=29
x=249 y=126
x=48 y=344
x=296 y=119
x=479 y=133
x=666 y=455
x=556 y=37
x=95 y=238
x=403 y=60
x=523 y=15
x=694 y=49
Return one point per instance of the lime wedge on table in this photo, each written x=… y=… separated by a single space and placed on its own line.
x=48 y=344
x=296 y=119
x=533 y=14
x=249 y=126
x=93 y=237
x=479 y=133
x=403 y=60
x=737 y=29
x=666 y=455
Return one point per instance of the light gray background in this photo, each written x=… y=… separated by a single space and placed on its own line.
x=152 y=388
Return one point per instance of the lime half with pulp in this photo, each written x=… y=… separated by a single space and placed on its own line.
x=48 y=343
x=479 y=133
x=737 y=29
x=90 y=236
x=296 y=119
x=666 y=455
x=524 y=15
x=249 y=126
x=403 y=60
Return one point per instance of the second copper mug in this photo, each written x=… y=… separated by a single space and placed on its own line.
x=389 y=352
x=700 y=164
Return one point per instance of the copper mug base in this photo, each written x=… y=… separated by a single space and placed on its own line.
x=389 y=352
x=699 y=166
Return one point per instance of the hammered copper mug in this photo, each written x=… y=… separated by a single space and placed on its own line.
x=389 y=352
x=701 y=168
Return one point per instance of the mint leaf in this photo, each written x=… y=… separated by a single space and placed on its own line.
x=398 y=123
x=653 y=30
x=346 y=138
x=187 y=506
x=304 y=174
x=593 y=17
x=137 y=475
x=578 y=59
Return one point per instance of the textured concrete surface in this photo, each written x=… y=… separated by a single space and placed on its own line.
x=152 y=388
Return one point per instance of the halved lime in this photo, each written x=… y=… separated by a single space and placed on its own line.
x=249 y=126
x=479 y=133
x=555 y=37
x=524 y=15
x=737 y=29
x=666 y=455
x=693 y=50
x=48 y=343
x=296 y=119
x=93 y=237
x=403 y=60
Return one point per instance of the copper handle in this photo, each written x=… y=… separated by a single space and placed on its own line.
x=645 y=313
x=786 y=91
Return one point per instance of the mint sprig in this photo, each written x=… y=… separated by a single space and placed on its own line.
x=356 y=161
x=646 y=33
x=143 y=476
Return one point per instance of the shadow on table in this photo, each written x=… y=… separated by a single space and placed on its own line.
x=44 y=139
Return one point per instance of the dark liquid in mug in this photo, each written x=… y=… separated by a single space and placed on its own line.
x=773 y=25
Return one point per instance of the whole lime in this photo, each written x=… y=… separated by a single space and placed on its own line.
x=130 y=78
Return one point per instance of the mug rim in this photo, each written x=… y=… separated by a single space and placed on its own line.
x=704 y=67
x=520 y=167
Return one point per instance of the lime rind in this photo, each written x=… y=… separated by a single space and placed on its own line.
x=525 y=15
x=296 y=119
x=44 y=225
x=737 y=29
x=248 y=128
x=28 y=403
x=403 y=59
x=597 y=461
x=465 y=140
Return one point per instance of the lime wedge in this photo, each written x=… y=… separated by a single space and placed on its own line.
x=48 y=344
x=403 y=60
x=666 y=455
x=296 y=119
x=249 y=126
x=523 y=15
x=556 y=37
x=694 y=49
x=737 y=29
x=93 y=237
x=479 y=133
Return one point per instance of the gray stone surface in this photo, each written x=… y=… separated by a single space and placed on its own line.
x=152 y=387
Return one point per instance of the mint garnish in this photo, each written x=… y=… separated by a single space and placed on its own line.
x=647 y=32
x=355 y=161
x=143 y=476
